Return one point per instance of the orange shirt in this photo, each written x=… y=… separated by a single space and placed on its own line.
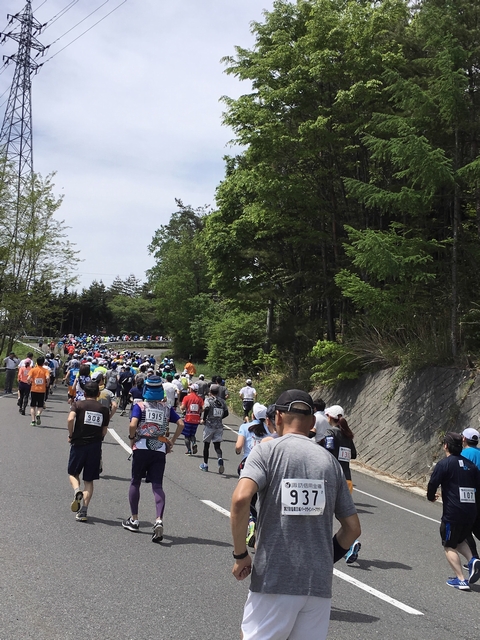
x=38 y=377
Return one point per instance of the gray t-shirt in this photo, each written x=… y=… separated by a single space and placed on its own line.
x=294 y=554
x=214 y=410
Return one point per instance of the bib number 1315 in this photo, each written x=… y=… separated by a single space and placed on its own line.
x=303 y=497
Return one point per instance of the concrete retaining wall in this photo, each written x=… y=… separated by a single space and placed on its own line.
x=398 y=424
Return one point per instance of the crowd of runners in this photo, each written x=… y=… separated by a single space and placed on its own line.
x=99 y=380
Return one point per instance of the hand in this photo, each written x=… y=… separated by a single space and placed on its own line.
x=242 y=568
x=169 y=446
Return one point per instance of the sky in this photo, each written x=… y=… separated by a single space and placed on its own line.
x=129 y=116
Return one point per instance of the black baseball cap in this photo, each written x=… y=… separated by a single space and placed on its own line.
x=292 y=397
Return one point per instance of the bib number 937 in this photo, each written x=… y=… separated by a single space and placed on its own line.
x=303 y=497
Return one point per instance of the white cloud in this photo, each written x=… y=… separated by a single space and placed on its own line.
x=129 y=117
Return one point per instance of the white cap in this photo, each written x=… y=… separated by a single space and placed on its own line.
x=335 y=411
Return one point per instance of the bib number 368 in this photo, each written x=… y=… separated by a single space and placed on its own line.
x=303 y=497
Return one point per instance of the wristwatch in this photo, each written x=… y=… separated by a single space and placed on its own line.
x=240 y=556
x=131 y=437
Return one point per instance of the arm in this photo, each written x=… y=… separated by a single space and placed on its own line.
x=71 y=423
x=239 y=444
x=178 y=431
x=349 y=531
x=132 y=429
x=239 y=514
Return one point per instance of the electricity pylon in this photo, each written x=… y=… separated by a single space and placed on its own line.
x=16 y=147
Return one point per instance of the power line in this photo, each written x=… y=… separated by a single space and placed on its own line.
x=76 y=25
x=60 y=14
x=86 y=31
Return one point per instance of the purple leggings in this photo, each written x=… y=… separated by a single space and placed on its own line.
x=134 y=497
x=150 y=465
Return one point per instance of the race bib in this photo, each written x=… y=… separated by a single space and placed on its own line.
x=194 y=408
x=154 y=415
x=94 y=418
x=217 y=412
x=467 y=494
x=344 y=454
x=39 y=381
x=302 y=497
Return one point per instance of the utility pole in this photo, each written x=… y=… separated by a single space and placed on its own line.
x=16 y=147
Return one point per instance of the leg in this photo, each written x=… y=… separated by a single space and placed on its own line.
x=134 y=496
x=453 y=560
x=188 y=444
x=159 y=495
x=88 y=493
x=218 y=450
x=206 y=448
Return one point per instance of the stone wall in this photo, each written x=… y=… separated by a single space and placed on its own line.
x=398 y=424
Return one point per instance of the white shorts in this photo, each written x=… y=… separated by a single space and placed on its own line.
x=278 y=617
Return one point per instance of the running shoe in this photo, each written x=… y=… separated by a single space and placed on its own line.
x=458 y=584
x=352 y=553
x=188 y=453
x=221 y=468
x=131 y=525
x=250 y=539
x=473 y=570
x=33 y=423
x=82 y=515
x=38 y=420
x=203 y=467
x=194 y=449
x=157 y=535
x=77 y=499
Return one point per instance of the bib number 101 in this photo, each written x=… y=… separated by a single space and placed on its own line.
x=303 y=497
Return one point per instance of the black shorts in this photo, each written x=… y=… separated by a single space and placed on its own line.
x=247 y=407
x=454 y=533
x=85 y=458
x=149 y=465
x=37 y=399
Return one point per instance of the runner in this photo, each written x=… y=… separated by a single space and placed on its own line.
x=87 y=426
x=339 y=441
x=248 y=395
x=192 y=407
x=38 y=381
x=23 y=385
x=301 y=489
x=148 y=426
x=249 y=435
x=215 y=409
x=460 y=482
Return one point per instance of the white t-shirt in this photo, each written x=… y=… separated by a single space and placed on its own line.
x=170 y=392
x=248 y=393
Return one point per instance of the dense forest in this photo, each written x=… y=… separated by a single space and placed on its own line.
x=346 y=232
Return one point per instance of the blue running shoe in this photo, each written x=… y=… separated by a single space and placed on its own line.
x=203 y=467
x=473 y=570
x=458 y=584
x=352 y=554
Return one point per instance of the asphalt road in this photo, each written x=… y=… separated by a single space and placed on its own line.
x=63 y=579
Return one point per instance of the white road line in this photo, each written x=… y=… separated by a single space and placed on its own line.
x=392 y=504
x=377 y=594
x=343 y=576
x=116 y=437
x=216 y=507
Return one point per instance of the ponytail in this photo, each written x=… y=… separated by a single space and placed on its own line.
x=258 y=428
x=344 y=428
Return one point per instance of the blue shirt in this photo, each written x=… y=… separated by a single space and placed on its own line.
x=473 y=454
x=251 y=439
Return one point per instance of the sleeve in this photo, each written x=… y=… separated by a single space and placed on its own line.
x=353 y=451
x=136 y=412
x=255 y=468
x=106 y=417
x=174 y=417
x=434 y=483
